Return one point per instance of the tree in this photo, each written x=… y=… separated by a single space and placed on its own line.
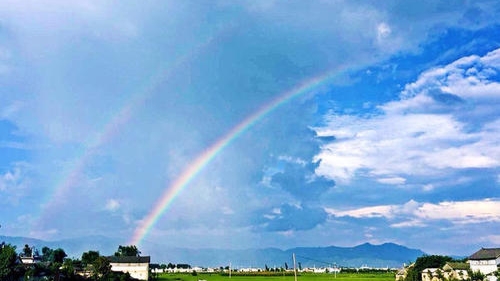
x=439 y=273
x=476 y=276
x=58 y=256
x=47 y=254
x=27 y=251
x=127 y=251
x=89 y=257
x=68 y=268
x=163 y=267
x=102 y=268
x=423 y=262
x=8 y=258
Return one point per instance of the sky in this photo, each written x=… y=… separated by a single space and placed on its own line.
x=251 y=124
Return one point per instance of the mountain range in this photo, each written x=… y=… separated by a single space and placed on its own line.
x=383 y=255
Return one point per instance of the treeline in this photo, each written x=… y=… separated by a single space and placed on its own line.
x=53 y=264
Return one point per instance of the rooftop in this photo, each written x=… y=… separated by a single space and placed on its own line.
x=486 y=254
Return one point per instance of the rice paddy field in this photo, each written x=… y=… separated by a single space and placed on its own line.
x=383 y=276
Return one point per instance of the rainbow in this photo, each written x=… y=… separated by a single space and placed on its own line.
x=119 y=120
x=204 y=158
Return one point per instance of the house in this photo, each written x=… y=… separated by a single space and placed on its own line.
x=450 y=271
x=432 y=274
x=28 y=260
x=137 y=267
x=486 y=260
x=403 y=272
x=456 y=271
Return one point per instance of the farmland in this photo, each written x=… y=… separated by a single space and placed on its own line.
x=385 y=276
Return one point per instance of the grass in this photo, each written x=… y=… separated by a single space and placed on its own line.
x=301 y=277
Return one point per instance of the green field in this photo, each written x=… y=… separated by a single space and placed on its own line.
x=301 y=277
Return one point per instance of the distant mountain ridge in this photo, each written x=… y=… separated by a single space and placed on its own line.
x=384 y=255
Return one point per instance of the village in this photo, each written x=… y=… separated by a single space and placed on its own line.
x=483 y=265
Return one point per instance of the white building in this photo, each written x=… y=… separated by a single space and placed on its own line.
x=485 y=260
x=137 y=267
x=456 y=271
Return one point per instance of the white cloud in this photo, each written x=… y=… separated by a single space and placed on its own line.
x=14 y=182
x=392 y=180
x=462 y=212
x=227 y=210
x=444 y=121
x=112 y=205
x=491 y=239
x=366 y=212
x=294 y=160
x=383 y=31
x=10 y=178
x=44 y=234
x=409 y=223
x=415 y=214
x=428 y=187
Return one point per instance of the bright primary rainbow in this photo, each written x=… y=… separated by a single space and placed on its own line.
x=203 y=159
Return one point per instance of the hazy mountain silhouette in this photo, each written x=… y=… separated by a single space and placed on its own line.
x=384 y=255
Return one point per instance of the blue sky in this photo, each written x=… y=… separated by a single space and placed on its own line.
x=104 y=104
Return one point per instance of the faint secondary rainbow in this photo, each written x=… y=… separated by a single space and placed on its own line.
x=116 y=123
x=204 y=158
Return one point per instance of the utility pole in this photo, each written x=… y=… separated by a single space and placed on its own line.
x=294 y=267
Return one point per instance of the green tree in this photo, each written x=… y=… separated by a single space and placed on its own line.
x=101 y=268
x=47 y=253
x=8 y=257
x=89 y=257
x=27 y=251
x=439 y=273
x=36 y=271
x=68 y=268
x=127 y=251
x=163 y=267
x=58 y=256
x=476 y=276
x=423 y=262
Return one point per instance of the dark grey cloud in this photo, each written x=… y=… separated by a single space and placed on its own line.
x=300 y=181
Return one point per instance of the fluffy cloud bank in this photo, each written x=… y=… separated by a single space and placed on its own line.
x=415 y=214
x=447 y=120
